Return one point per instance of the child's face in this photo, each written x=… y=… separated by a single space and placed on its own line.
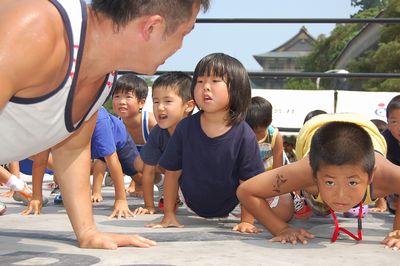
x=342 y=187
x=168 y=107
x=394 y=123
x=126 y=104
x=211 y=94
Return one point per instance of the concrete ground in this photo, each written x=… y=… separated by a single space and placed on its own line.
x=48 y=239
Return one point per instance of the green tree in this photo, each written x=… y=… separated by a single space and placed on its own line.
x=326 y=50
x=300 y=84
x=367 y=4
x=386 y=58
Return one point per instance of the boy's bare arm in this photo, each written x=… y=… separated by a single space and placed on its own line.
x=277 y=151
x=38 y=170
x=387 y=181
x=171 y=187
x=148 y=190
x=246 y=224
x=254 y=192
x=117 y=175
x=121 y=207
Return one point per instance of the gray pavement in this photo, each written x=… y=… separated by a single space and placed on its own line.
x=48 y=239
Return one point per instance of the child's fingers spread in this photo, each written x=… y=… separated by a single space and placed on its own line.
x=302 y=239
x=139 y=241
x=306 y=233
x=390 y=242
x=140 y=211
x=293 y=239
x=278 y=239
x=113 y=214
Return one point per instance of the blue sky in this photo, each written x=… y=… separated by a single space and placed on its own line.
x=245 y=40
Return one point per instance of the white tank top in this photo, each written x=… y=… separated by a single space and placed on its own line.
x=29 y=126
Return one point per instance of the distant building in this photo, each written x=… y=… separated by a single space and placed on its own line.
x=284 y=58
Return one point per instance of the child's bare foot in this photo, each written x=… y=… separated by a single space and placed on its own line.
x=97 y=197
x=134 y=190
x=132 y=187
x=380 y=206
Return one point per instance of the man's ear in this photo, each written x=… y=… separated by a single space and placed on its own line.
x=189 y=106
x=151 y=24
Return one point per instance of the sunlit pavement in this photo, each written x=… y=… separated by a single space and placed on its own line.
x=48 y=239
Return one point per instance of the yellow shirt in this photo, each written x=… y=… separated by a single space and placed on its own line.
x=306 y=133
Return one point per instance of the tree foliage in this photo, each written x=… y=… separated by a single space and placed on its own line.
x=300 y=84
x=367 y=4
x=386 y=58
x=327 y=49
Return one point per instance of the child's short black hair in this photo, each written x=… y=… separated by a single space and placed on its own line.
x=312 y=114
x=132 y=83
x=178 y=81
x=342 y=143
x=259 y=112
x=380 y=124
x=394 y=104
x=235 y=75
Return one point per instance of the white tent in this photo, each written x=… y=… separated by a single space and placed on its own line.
x=291 y=106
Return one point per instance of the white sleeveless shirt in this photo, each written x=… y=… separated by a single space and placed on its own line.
x=29 y=126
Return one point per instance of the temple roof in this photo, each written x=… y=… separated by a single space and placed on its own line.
x=299 y=45
x=285 y=54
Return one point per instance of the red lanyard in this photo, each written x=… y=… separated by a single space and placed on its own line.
x=337 y=228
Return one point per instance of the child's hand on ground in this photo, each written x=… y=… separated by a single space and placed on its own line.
x=121 y=209
x=34 y=206
x=167 y=221
x=96 y=239
x=145 y=210
x=97 y=197
x=392 y=240
x=291 y=235
x=244 y=227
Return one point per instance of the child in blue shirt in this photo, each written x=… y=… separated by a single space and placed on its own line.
x=172 y=101
x=214 y=150
x=112 y=144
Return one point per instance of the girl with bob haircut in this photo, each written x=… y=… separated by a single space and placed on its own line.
x=214 y=150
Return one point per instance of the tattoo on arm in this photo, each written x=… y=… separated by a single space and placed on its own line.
x=279 y=181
